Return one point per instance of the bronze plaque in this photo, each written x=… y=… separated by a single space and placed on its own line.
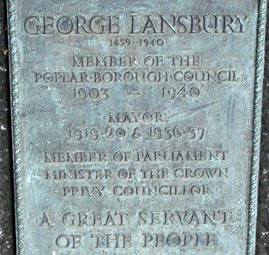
x=136 y=125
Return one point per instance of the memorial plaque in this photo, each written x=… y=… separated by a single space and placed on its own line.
x=136 y=125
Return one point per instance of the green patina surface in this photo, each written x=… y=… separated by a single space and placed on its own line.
x=136 y=120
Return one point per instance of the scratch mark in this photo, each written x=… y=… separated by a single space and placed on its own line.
x=193 y=110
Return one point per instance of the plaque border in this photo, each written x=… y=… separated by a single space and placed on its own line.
x=16 y=126
x=256 y=133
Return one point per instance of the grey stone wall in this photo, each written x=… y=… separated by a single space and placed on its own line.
x=263 y=213
x=6 y=189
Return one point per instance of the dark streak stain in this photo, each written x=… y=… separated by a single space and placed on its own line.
x=230 y=116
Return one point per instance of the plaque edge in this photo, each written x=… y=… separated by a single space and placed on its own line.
x=256 y=132
x=17 y=140
x=15 y=126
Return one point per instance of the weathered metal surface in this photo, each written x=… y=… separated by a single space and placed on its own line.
x=136 y=125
